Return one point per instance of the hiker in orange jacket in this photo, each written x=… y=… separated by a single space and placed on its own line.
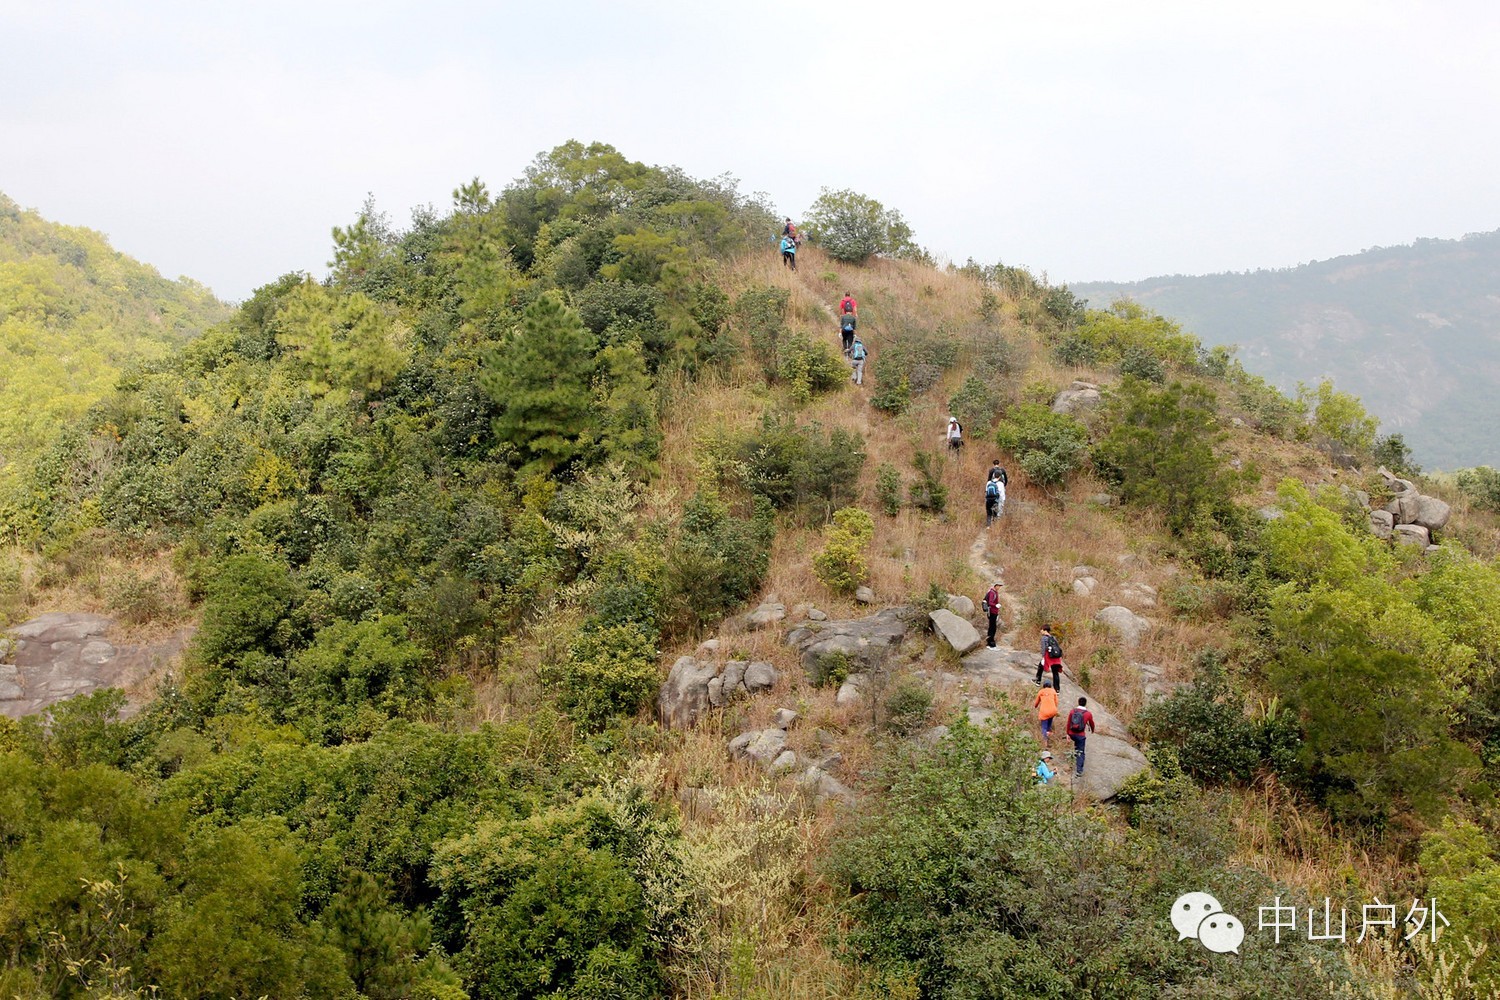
x=1045 y=704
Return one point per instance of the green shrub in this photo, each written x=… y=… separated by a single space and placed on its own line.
x=1214 y=740
x=1049 y=446
x=809 y=368
x=893 y=395
x=1481 y=485
x=1142 y=364
x=841 y=563
x=609 y=672
x=1339 y=417
x=888 y=489
x=975 y=404
x=928 y=493
x=1076 y=351
x=796 y=466
x=907 y=707
x=852 y=227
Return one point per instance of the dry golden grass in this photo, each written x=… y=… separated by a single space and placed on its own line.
x=134 y=583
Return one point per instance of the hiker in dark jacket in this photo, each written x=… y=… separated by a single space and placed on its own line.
x=847 y=323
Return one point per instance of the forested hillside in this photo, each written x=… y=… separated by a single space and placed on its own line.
x=1412 y=330
x=446 y=518
x=74 y=314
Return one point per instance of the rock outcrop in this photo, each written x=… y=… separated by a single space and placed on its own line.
x=694 y=685
x=858 y=645
x=1126 y=624
x=61 y=654
x=1410 y=516
x=1080 y=397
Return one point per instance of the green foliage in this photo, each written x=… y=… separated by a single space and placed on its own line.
x=1339 y=417
x=1481 y=485
x=1374 y=719
x=1140 y=363
x=627 y=410
x=852 y=227
x=1049 y=446
x=343 y=343
x=929 y=493
x=1160 y=450
x=610 y=672
x=532 y=907
x=540 y=379
x=1392 y=452
x=1131 y=336
x=947 y=878
x=354 y=676
x=888 y=489
x=841 y=563
x=1212 y=738
x=717 y=561
x=907 y=707
x=809 y=368
x=1462 y=872
x=892 y=395
x=975 y=404
x=793 y=466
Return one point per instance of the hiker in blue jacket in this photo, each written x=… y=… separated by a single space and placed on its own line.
x=789 y=252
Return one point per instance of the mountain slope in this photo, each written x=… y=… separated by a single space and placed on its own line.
x=1412 y=330
x=74 y=313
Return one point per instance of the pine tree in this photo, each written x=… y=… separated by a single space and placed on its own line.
x=541 y=378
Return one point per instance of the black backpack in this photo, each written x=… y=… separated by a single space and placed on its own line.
x=1052 y=648
x=1077 y=722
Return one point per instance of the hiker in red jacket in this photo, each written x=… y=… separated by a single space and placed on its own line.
x=1052 y=656
x=1080 y=724
x=991 y=606
x=848 y=305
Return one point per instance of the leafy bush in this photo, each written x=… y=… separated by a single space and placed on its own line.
x=1481 y=485
x=1214 y=740
x=717 y=561
x=1049 y=446
x=975 y=404
x=1142 y=364
x=1160 y=450
x=796 y=466
x=809 y=367
x=1076 y=351
x=841 y=563
x=852 y=227
x=356 y=675
x=1339 y=417
x=892 y=396
x=928 y=493
x=609 y=672
x=907 y=707
x=1392 y=452
x=888 y=489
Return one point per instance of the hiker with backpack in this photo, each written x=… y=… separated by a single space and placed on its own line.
x=857 y=354
x=991 y=604
x=789 y=252
x=997 y=471
x=955 y=434
x=1044 y=772
x=1045 y=704
x=848 y=305
x=1052 y=655
x=790 y=232
x=994 y=500
x=847 y=323
x=1080 y=724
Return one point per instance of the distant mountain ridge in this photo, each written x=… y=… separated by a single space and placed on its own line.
x=1413 y=330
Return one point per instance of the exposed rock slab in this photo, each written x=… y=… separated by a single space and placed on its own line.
x=1129 y=626
x=61 y=654
x=1107 y=764
x=861 y=644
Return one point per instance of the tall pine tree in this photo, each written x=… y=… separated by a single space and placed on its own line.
x=541 y=379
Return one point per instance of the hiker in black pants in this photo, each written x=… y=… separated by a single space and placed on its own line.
x=992 y=608
x=1051 y=659
x=847 y=324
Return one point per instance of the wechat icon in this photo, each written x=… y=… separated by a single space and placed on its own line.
x=1199 y=915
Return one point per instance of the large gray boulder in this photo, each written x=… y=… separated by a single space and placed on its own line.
x=1413 y=534
x=1432 y=513
x=760 y=676
x=861 y=645
x=1382 y=523
x=961 y=605
x=823 y=786
x=1081 y=397
x=762 y=746
x=684 y=695
x=1108 y=763
x=1126 y=624
x=765 y=615
x=957 y=633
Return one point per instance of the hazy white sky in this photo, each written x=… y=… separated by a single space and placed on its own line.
x=1090 y=140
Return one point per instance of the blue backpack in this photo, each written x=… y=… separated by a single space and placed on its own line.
x=858 y=351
